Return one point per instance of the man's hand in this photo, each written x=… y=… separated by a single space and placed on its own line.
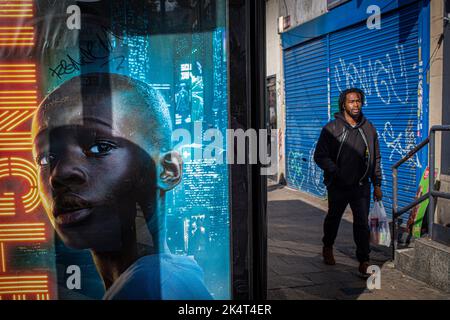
x=377 y=194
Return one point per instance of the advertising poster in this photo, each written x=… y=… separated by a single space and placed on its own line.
x=109 y=186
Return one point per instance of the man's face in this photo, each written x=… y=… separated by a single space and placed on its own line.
x=89 y=175
x=353 y=104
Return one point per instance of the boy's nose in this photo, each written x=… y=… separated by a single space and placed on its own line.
x=67 y=173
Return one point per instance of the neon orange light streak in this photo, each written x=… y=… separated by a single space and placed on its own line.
x=7 y=225
x=17 y=33
x=22 y=239
x=33 y=200
x=24 y=174
x=25 y=282
x=23 y=291
x=18 y=97
x=34 y=234
x=19 y=119
x=16 y=39
x=24 y=287
x=28 y=174
x=17 y=81
x=17 y=65
x=23 y=162
x=8 y=211
x=16 y=28
x=12 y=134
x=25 y=106
x=9 y=117
x=16 y=149
x=22 y=139
x=20 y=91
x=22 y=229
x=24 y=277
x=2 y=249
x=11 y=141
x=18 y=143
x=16 y=10
x=16 y=5
x=16 y=15
x=30 y=196
x=36 y=204
x=17 y=102
x=17 y=76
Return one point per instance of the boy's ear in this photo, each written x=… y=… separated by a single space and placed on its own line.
x=171 y=168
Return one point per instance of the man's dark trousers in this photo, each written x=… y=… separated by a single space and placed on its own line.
x=359 y=199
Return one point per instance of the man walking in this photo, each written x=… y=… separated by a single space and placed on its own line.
x=348 y=152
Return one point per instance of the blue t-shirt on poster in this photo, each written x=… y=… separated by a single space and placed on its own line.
x=160 y=277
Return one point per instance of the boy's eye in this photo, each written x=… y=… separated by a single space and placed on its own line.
x=44 y=159
x=101 y=148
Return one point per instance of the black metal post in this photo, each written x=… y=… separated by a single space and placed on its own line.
x=394 y=207
x=431 y=184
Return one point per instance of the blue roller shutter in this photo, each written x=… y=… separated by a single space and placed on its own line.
x=305 y=71
x=385 y=63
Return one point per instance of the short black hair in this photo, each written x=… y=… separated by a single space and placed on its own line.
x=343 y=96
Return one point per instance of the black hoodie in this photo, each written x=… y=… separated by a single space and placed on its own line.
x=349 y=155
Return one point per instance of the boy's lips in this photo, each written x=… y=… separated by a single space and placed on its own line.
x=71 y=209
x=72 y=217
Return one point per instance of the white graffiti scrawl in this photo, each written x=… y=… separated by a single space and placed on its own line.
x=304 y=170
x=401 y=143
x=376 y=77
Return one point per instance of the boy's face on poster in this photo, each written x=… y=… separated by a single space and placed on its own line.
x=91 y=177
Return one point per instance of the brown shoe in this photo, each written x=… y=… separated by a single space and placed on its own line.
x=363 y=266
x=328 y=257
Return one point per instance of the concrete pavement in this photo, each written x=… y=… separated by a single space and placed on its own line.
x=295 y=267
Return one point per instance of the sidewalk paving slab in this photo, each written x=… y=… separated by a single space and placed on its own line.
x=295 y=267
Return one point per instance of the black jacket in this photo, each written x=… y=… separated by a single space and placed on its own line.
x=331 y=144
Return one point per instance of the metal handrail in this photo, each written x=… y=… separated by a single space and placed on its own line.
x=431 y=194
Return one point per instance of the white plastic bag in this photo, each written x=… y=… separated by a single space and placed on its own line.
x=379 y=225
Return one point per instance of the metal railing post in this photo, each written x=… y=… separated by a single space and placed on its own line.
x=394 y=208
x=431 y=204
